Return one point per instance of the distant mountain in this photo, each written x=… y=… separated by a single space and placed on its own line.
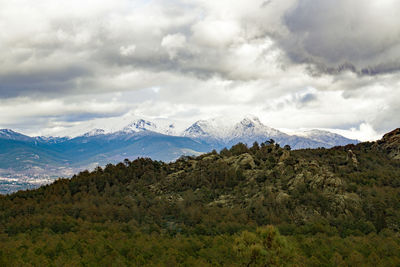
x=258 y=206
x=328 y=138
x=33 y=157
x=25 y=159
x=94 y=132
x=144 y=125
x=250 y=129
x=11 y=135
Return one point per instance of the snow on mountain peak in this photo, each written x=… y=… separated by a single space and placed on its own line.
x=221 y=129
x=197 y=129
x=10 y=134
x=94 y=132
x=251 y=120
x=142 y=125
x=251 y=125
x=7 y=132
x=217 y=128
x=316 y=133
x=324 y=137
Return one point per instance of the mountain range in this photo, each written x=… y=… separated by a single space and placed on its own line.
x=264 y=205
x=27 y=161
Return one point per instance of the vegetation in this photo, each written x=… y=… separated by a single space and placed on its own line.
x=258 y=206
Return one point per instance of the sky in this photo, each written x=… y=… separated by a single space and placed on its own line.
x=296 y=64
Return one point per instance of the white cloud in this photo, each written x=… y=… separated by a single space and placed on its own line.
x=173 y=43
x=364 y=132
x=216 y=33
x=127 y=50
x=69 y=63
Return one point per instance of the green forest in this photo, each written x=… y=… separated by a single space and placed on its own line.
x=259 y=205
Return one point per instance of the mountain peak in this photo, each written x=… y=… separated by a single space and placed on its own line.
x=248 y=129
x=325 y=137
x=252 y=126
x=251 y=121
x=94 y=132
x=7 y=131
x=140 y=125
x=12 y=135
x=198 y=129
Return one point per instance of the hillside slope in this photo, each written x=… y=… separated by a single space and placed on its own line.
x=332 y=207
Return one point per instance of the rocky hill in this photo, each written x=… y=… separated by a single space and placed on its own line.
x=244 y=206
x=390 y=143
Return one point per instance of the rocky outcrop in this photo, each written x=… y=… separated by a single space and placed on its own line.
x=352 y=157
x=244 y=161
x=285 y=155
x=315 y=176
x=390 y=143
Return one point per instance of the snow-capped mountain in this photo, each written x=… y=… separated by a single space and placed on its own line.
x=219 y=133
x=145 y=125
x=251 y=129
x=135 y=126
x=27 y=156
x=7 y=134
x=11 y=135
x=140 y=125
x=326 y=137
x=220 y=129
x=50 y=139
x=215 y=130
x=95 y=132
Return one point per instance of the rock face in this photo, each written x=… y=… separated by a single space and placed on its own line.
x=244 y=161
x=318 y=177
x=390 y=143
x=351 y=156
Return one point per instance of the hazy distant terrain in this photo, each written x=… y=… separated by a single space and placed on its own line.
x=26 y=162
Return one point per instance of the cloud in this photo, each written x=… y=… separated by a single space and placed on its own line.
x=364 y=132
x=338 y=35
x=173 y=43
x=294 y=63
x=127 y=50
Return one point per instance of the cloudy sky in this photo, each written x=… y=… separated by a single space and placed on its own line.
x=332 y=64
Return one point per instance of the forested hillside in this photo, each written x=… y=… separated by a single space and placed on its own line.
x=262 y=205
x=27 y=162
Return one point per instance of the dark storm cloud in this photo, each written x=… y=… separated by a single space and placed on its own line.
x=50 y=82
x=86 y=116
x=340 y=35
x=61 y=53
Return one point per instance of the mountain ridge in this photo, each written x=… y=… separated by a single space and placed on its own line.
x=26 y=157
x=243 y=206
x=251 y=129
